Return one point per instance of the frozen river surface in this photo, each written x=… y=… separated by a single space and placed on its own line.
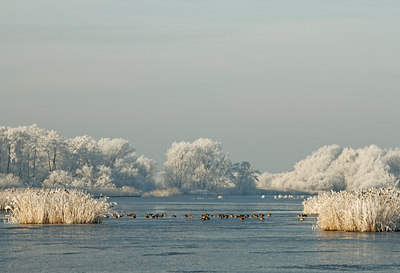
x=280 y=243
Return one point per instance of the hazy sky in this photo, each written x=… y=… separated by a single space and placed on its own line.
x=273 y=80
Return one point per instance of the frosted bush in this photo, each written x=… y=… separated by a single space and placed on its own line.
x=9 y=181
x=359 y=210
x=59 y=179
x=56 y=206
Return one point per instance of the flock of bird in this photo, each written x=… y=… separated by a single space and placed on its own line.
x=204 y=217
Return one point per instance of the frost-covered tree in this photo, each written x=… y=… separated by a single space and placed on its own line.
x=54 y=147
x=335 y=168
x=84 y=151
x=200 y=165
x=60 y=178
x=23 y=152
x=113 y=150
x=39 y=157
x=245 y=177
x=137 y=172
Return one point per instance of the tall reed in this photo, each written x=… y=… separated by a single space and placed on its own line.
x=361 y=210
x=56 y=206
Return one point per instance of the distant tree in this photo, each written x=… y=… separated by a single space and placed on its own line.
x=54 y=146
x=201 y=165
x=84 y=151
x=137 y=172
x=10 y=181
x=37 y=157
x=245 y=177
x=113 y=150
x=59 y=179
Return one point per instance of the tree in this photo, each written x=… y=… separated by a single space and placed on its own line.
x=245 y=177
x=84 y=151
x=113 y=150
x=201 y=165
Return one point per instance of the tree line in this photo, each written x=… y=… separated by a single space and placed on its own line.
x=34 y=157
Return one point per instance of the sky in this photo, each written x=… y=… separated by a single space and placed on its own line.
x=272 y=80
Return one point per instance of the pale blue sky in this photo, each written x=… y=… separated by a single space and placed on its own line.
x=272 y=80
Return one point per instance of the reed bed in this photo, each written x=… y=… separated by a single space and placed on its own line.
x=55 y=206
x=361 y=210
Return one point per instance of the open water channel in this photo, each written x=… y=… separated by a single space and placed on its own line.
x=279 y=243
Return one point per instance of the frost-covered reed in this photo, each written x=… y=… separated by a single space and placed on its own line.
x=361 y=210
x=55 y=206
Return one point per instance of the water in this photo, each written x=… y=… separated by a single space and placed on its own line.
x=280 y=243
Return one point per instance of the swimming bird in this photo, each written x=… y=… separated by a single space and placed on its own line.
x=301 y=215
x=132 y=215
